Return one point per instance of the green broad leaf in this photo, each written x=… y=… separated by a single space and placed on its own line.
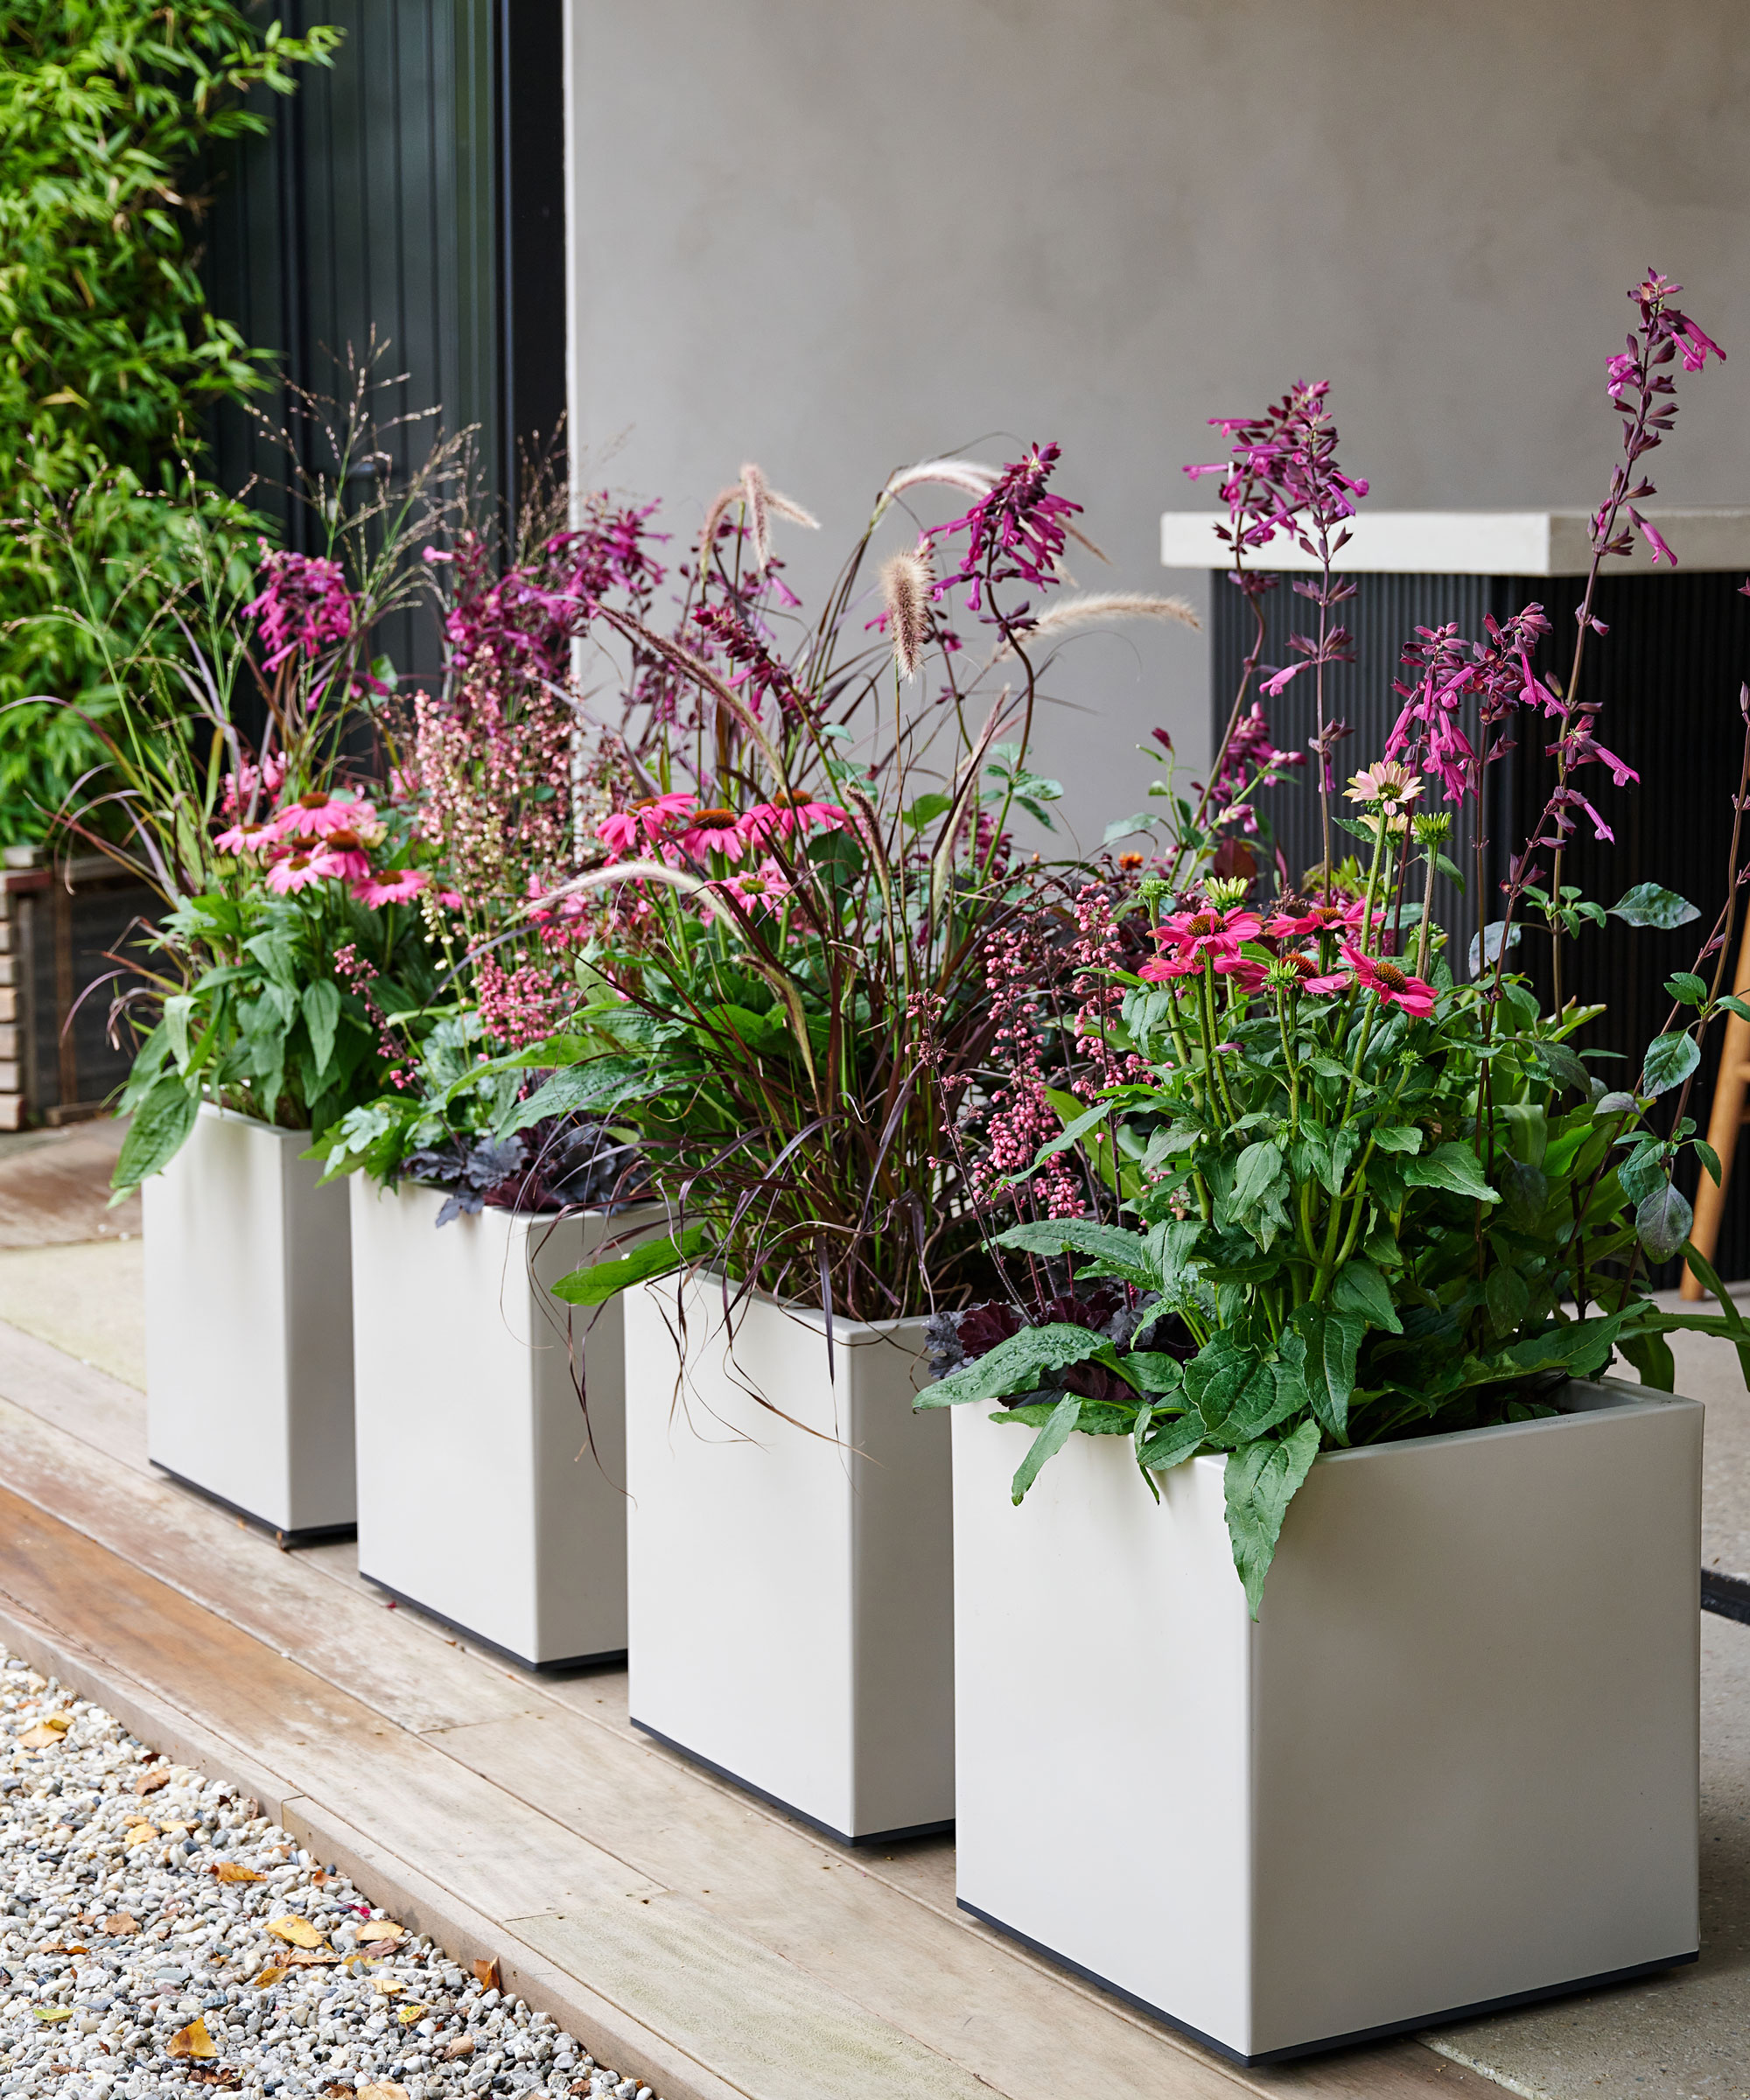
x=1122 y=827
x=1118 y=1253
x=1453 y=873
x=177 y=1011
x=927 y=809
x=1276 y=1391
x=1486 y=946
x=161 y=1124
x=1021 y=1364
x=599 y=1281
x=1261 y=1481
x=1651 y=1356
x=1709 y=1157
x=1581 y=1348
x=1154 y=1371
x=1397 y=1138
x=1643 y=1171
x=1452 y=1165
x=1217 y=1376
x=603 y=1083
x=1182 y=1438
x=1562 y=1065
x=1671 y=1059
x=1139 y=1431
x=321 y=1005
x=1648 y=904
x=1508 y=1299
x=1733 y=1003
x=1255 y=1201
x=1333 y=1341
x=1616 y=1105
x=1662 y=1221
x=1686 y=988
x=1359 y=1287
x=1046 y=1444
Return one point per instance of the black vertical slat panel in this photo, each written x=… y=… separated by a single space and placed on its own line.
x=532 y=223
x=1383 y=614
x=1666 y=680
x=372 y=205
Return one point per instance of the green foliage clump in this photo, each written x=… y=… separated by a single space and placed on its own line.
x=109 y=358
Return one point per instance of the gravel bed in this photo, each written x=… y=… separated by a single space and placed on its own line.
x=158 y=1935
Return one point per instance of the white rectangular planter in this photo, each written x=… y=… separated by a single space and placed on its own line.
x=1453 y=1763
x=480 y=1498
x=791 y=1580
x=250 y=1327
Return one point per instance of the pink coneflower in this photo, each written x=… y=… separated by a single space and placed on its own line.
x=341 y=856
x=374 y=891
x=1319 y=983
x=631 y=830
x=247 y=836
x=763 y=887
x=1315 y=919
x=314 y=815
x=788 y=813
x=713 y=831
x=297 y=871
x=1394 y=984
x=1210 y=932
x=1163 y=969
x=1247 y=974
x=1387 y=783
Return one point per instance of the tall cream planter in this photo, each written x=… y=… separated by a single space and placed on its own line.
x=480 y=1498
x=1453 y=1765
x=791 y=1580
x=249 y=1326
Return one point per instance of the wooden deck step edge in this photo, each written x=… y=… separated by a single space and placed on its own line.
x=611 y=2035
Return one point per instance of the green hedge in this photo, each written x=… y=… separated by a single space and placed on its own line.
x=110 y=363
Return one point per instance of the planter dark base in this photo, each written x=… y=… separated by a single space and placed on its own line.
x=289 y=1542
x=1440 y=2017
x=915 y=1830
x=561 y=1666
x=1729 y=1595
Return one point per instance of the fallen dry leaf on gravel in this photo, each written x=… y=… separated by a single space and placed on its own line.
x=272 y=1974
x=52 y=2016
x=460 y=2045
x=234 y=1870
x=46 y=1735
x=487 y=1974
x=300 y=1931
x=141 y=1833
x=193 y=2040
x=386 y=2089
x=119 y=1926
x=380 y=1929
x=149 y=1781
x=407 y=2014
x=312 y=1958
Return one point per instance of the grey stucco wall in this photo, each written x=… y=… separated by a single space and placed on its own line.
x=834 y=238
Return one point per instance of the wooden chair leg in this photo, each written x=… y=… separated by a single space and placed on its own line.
x=1724 y=1122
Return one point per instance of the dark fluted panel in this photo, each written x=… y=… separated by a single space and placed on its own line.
x=1666 y=680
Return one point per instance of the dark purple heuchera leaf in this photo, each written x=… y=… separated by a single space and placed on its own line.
x=565 y=1163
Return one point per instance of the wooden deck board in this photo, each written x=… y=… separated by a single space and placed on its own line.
x=722 y=1948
